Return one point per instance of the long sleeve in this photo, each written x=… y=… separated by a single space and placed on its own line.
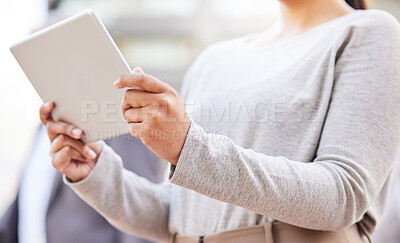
x=358 y=144
x=130 y=203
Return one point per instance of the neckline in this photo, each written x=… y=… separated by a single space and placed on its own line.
x=246 y=38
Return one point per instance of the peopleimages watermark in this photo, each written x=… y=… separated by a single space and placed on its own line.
x=109 y=111
x=215 y=112
x=216 y=117
x=123 y=135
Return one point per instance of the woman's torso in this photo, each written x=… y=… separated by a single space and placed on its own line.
x=256 y=96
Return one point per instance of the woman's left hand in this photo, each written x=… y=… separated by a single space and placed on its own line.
x=155 y=114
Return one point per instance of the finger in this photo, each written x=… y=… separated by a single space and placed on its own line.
x=137 y=98
x=63 y=158
x=54 y=128
x=139 y=130
x=62 y=140
x=137 y=70
x=75 y=155
x=137 y=115
x=143 y=81
x=135 y=129
x=45 y=112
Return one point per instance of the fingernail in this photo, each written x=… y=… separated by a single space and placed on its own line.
x=138 y=69
x=76 y=132
x=116 y=83
x=47 y=105
x=91 y=153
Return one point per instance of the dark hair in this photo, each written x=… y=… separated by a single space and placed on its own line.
x=357 y=4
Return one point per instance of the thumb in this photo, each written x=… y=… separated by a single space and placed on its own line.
x=141 y=80
x=137 y=70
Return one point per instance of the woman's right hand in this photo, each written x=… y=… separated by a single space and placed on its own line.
x=69 y=155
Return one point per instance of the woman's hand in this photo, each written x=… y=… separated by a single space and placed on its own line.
x=155 y=114
x=69 y=155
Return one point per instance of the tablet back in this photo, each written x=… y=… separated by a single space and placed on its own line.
x=74 y=63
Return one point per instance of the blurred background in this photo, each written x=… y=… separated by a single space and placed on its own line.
x=163 y=37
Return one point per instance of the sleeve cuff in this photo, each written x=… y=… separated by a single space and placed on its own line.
x=190 y=153
x=104 y=162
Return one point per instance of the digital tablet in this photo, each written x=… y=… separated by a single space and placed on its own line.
x=74 y=63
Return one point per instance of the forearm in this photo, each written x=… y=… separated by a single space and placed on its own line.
x=328 y=194
x=129 y=202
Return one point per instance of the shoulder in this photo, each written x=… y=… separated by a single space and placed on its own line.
x=376 y=17
x=368 y=30
x=369 y=47
x=374 y=21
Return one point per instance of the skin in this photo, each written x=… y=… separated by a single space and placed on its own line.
x=154 y=112
x=298 y=16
